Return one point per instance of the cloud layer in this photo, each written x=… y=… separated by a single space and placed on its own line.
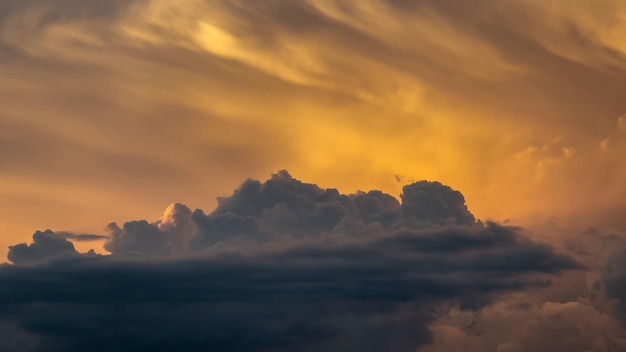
x=112 y=109
x=278 y=266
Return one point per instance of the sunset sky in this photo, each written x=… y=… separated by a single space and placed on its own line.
x=111 y=110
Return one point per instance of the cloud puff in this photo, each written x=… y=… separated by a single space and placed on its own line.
x=278 y=266
x=45 y=244
x=288 y=208
x=167 y=236
x=433 y=202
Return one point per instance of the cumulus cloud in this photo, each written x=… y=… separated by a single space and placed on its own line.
x=167 y=236
x=433 y=202
x=288 y=208
x=46 y=244
x=280 y=265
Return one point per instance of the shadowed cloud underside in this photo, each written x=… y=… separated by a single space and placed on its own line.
x=278 y=266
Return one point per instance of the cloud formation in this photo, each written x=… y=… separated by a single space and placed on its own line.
x=520 y=324
x=278 y=266
x=609 y=282
x=111 y=108
x=468 y=90
x=45 y=245
x=581 y=311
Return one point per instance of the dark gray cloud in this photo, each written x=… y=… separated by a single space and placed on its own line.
x=45 y=245
x=285 y=207
x=85 y=237
x=435 y=203
x=49 y=244
x=278 y=266
x=138 y=237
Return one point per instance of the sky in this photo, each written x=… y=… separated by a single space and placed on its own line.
x=442 y=139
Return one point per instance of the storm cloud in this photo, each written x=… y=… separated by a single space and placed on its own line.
x=280 y=265
x=45 y=244
x=111 y=110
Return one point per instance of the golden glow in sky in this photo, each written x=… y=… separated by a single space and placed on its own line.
x=113 y=110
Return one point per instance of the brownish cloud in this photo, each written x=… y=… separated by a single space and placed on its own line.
x=102 y=93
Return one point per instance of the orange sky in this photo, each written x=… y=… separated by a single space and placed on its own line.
x=111 y=110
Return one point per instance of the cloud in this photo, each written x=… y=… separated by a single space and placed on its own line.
x=520 y=324
x=433 y=202
x=581 y=310
x=45 y=245
x=167 y=236
x=608 y=282
x=280 y=265
x=286 y=207
x=49 y=245
x=472 y=94
x=87 y=237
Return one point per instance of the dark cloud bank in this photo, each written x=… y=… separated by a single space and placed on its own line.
x=278 y=266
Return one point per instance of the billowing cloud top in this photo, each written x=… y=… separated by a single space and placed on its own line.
x=45 y=244
x=278 y=266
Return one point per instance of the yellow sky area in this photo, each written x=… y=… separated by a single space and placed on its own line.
x=112 y=112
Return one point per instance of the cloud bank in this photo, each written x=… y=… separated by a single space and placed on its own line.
x=111 y=108
x=280 y=265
